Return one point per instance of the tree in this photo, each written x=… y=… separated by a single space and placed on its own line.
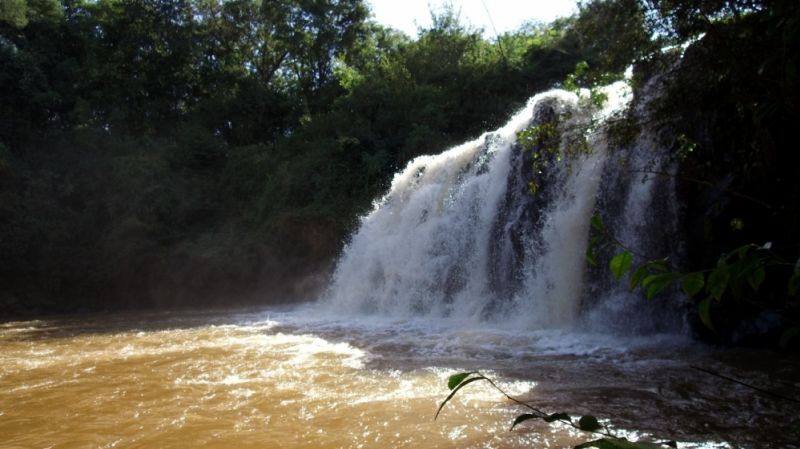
x=310 y=35
x=613 y=34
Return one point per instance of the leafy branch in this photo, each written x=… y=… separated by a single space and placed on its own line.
x=587 y=423
x=738 y=274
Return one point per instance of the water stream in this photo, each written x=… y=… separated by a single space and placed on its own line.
x=296 y=379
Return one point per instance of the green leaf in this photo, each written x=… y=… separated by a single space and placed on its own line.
x=452 y=393
x=591 y=250
x=692 y=283
x=557 y=417
x=522 y=418
x=718 y=282
x=637 y=276
x=597 y=222
x=603 y=443
x=656 y=283
x=591 y=257
x=620 y=264
x=740 y=272
x=589 y=423
x=756 y=277
x=743 y=250
x=619 y=443
x=456 y=379
x=704 y=309
x=788 y=335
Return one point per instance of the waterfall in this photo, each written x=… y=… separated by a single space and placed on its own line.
x=459 y=235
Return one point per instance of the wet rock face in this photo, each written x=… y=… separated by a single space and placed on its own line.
x=462 y=233
x=518 y=224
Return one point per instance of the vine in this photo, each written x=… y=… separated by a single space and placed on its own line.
x=557 y=139
x=586 y=423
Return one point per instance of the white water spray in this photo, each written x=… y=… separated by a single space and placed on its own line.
x=458 y=236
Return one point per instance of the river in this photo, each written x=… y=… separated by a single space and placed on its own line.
x=291 y=378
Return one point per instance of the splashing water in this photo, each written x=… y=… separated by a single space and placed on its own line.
x=459 y=236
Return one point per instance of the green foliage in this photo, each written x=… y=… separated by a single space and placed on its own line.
x=557 y=417
x=620 y=264
x=582 y=77
x=456 y=379
x=526 y=417
x=14 y=12
x=737 y=277
x=559 y=140
x=19 y=13
x=729 y=106
x=685 y=147
x=589 y=423
x=621 y=443
x=614 y=33
x=459 y=384
x=656 y=283
x=704 y=311
x=575 y=80
x=692 y=283
x=544 y=143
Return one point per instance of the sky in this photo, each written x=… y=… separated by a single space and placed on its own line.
x=507 y=15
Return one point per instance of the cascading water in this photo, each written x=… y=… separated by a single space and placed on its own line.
x=459 y=234
x=638 y=203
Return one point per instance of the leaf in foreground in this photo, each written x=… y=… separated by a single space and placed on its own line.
x=637 y=276
x=522 y=418
x=597 y=222
x=456 y=379
x=557 y=417
x=704 y=310
x=589 y=423
x=692 y=283
x=620 y=443
x=620 y=264
x=452 y=393
x=655 y=283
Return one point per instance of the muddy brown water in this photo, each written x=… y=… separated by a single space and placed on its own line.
x=290 y=379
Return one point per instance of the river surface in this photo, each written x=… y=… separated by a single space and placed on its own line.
x=291 y=378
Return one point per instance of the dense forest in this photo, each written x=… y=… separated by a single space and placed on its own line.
x=188 y=152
